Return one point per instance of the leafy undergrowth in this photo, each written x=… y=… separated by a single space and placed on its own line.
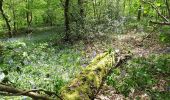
x=142 y=78
x=32 y=63
x=146 y=76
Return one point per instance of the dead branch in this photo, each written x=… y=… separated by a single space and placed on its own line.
x=11 y=91
x=160 y=23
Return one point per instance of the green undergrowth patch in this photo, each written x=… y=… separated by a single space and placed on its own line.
x=165 y=34
x=143 y=75
x=27 y=64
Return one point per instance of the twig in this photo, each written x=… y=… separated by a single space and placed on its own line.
x=154 y=29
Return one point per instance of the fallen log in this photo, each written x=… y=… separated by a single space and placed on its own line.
x=86 y=84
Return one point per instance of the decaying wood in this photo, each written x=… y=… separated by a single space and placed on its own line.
x=90 y=81
x=86 y=85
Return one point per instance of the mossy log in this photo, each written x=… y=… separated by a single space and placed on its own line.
x=87 y=83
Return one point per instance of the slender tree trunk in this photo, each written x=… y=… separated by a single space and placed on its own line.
x=6 y=19
x=67 y=20
x=49 y=13
x=124 y=7
x=168 y=7
x=14 y=24
x=94 y=8
x=81 y=11
x=29 y=16
x=14 y=16
x=139 y=12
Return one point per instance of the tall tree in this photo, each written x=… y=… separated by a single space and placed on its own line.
x=81 y=12
x=67 y=20
x=5 y=18
x=29 y=14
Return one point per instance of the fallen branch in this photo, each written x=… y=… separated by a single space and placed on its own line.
x=160 y=23
x=11 y=91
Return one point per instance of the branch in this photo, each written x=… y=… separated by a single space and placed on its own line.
x=157 y=10
x=31 y=93
x=38 y=90
x=160 y=23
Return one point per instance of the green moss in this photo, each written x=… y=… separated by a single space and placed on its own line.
x=89 y=80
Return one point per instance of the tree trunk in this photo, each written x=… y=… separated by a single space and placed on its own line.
x=14 y=16
x=139 y=12
x=49 y=13
x=94 y=8
x=6 y=19
x=81 y=11
x=29 y=16
x=88 y=83
x=67 y=20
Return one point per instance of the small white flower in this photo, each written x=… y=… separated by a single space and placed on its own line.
x=117 y=50
x=2 y=76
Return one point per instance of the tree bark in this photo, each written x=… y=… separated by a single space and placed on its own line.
x=6 y=19
x=67 y=20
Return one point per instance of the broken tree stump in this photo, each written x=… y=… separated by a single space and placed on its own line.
x=87 y=83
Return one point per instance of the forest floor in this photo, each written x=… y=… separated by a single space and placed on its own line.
x=80 y=53
x=139 y=44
